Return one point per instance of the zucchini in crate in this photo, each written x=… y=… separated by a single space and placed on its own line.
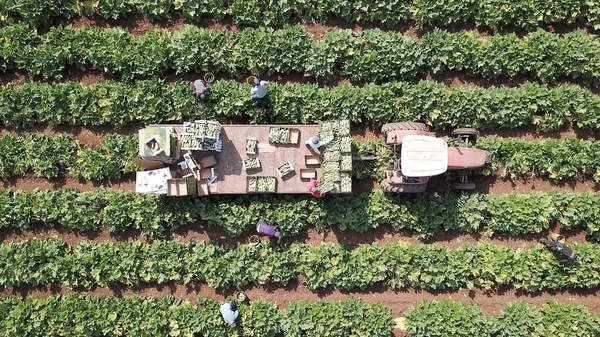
x=346 y=163
x=251 y=164
x=252 y=184
x=331 y=156
x=251 y=145
x=343 y=127
x=345 y=182
x=346 y=144
x=331 y=166
x=285 y=169
x=279 y=135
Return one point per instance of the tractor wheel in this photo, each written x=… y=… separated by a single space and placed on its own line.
x=463 y=186
x=385 y=128
x=466 y=132
x=387 y=187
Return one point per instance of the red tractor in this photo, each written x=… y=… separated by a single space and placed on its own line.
x=418 y=155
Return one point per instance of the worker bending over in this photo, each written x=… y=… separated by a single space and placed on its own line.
x=229 y=312
x=315 y=143
x=202 y=89
x=264 y=228
x=559 y=247
x=259 y=91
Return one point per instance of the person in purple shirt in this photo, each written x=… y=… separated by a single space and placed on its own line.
x=272 y=231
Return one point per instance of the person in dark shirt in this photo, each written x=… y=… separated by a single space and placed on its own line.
x=561 y=248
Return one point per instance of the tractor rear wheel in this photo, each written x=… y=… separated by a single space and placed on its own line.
x=403 y=188
x=463 y=186
x=385 y=128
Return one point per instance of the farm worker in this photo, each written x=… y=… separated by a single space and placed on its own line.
x=313 y=188
x=264 y=228
x=259 y=91
x=202 y=90
x=229 y=312
x=315 y=143
x=561 y=248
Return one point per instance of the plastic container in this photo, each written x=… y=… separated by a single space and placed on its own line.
x=250 y=80
x=209 y=77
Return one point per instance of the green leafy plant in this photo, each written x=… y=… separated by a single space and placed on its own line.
x=370 y=55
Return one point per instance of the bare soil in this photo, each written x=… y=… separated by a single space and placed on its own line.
x=201 y=231
x=398 y=301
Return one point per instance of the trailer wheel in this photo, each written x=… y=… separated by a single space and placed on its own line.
x=463 y=186
x=404 y=188
x=385 y=128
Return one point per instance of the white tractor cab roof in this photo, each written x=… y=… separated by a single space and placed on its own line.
x=423 y=156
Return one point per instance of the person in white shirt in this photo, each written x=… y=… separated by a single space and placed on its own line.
x=202 y=89
x=229 y=312
x=259 y=91
x=315 y=143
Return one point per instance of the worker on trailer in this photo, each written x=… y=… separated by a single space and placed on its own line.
x=315 y=143
x=272 y=231
x=561 y=248
x=313 y=188
x=229 y=312
x=259 y=91
x=202 y=89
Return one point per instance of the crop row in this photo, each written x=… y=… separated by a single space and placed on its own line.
x=47 y=157
x=429 y=266
x=369 y=55
x=463 y=319
x=489 y=13
x=84 y=315
x=566 y=159
x=427 y=214
x=155 y=101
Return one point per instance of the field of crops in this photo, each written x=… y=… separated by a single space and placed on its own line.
x=83 y=254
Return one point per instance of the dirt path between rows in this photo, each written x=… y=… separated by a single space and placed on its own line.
x=398 y=301
x=201 y=231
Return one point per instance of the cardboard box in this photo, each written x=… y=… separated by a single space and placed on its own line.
x=312 y=160
x=207 y=162
x=308 y=174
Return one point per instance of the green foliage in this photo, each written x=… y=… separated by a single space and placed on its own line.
x=447 y=318
x=520 y=319
x=489 y=13
x=566 y=159
x=85 y=315
x=426 y=214
x=48 y=157
x=569 y=158
x=155 y=101
x=38 y=262
x=371 y=55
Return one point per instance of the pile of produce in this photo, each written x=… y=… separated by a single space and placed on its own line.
x=262 y=184
x=279 y=135
x=251 y=164
x=285 y=169
x=336 y=157
x=201 y=135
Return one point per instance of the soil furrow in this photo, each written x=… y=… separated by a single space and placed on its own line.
x=398 y=301
x=383 y=235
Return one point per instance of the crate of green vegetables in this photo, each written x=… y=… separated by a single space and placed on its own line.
x=251 y=164
x=285 y=169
